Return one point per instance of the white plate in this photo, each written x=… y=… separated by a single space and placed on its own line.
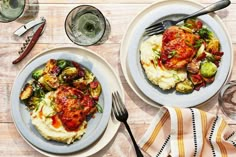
x=130 y=57
x=102 y=71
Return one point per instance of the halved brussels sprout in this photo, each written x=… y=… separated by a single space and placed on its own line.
x=185 y=87
x=69 y=74
x=205 y=33
x=37 y=74
x=89 y=77
x=26 y=92
x=52 y=67
x=208 y=69
x=44 y=84
x=51 y=80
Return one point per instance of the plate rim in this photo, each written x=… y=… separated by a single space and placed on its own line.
x=124 y=50
x=116 y=124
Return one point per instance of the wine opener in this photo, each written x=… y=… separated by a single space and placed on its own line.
x=38 y=28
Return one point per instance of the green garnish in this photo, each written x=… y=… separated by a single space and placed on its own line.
x=172 y=54
x=99 y=108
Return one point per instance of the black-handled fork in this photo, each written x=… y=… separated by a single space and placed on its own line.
x=121 y=115
x=160 y=26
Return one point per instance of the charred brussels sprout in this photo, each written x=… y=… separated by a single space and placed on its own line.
x=26 y=92
x=95 y=89
x=51 y=80
x=208 y=69
x=37 y=74
x=185 y=87
x=52 y=67
x=89 y=77
x=69 y=74
x=62 y=63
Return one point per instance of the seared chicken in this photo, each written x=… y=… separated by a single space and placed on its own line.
x=177 y=48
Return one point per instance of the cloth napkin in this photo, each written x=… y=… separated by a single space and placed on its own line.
x=188 y=132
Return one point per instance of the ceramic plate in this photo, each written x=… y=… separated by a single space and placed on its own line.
x=21 y=116
x=134 y=73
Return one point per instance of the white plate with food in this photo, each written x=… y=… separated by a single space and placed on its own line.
x=186 y=65
x=61 y=102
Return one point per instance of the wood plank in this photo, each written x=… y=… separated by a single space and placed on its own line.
x=115 y=1
x=116 y=14
x=12 y=144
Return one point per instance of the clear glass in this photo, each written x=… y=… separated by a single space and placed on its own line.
x=227 y=99
x=85 y=25
x=10 y=10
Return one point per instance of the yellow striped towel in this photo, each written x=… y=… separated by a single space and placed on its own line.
x=188 y=132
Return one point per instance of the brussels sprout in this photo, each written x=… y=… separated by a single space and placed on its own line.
x=51 y=80
x=44 y=84
x=205 y=33
x=213 y=45
x=52 y=67
x=208 y=69
x=69 y=73
x=26 y=92
x=89 y=77
x=62 y=63
x=33 y=103
x=95 y=89
x=37 y=74
x=185 y=87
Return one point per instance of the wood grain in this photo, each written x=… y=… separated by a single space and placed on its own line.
x=119 y=13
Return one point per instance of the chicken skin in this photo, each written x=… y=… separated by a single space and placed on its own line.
x=177 y=48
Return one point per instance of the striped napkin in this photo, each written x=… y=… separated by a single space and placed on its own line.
x=188 y=133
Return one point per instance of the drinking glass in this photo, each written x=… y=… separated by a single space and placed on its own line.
x=10 y=10
x=227 y=99
x=85 y=25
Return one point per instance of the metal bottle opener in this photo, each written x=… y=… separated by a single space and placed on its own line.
x=38 y=28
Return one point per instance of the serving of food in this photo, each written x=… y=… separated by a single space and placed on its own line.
x=62 y=97
x=185 y=57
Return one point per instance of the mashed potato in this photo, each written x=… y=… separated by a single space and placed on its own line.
x=164 y=78
x=49 y=126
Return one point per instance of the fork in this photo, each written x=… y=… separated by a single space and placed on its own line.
x=121 y=115
x=159 y=27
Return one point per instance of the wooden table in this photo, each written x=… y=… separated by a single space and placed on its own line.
x=119 y=13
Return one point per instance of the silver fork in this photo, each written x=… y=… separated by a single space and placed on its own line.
x=121 y=115
x=159 y=27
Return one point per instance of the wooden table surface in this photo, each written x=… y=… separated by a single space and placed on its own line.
x=119 y=13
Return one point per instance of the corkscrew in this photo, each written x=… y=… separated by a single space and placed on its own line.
x=38 y=28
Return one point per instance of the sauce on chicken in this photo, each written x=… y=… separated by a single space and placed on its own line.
x=72 y=107
x=177 y=48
